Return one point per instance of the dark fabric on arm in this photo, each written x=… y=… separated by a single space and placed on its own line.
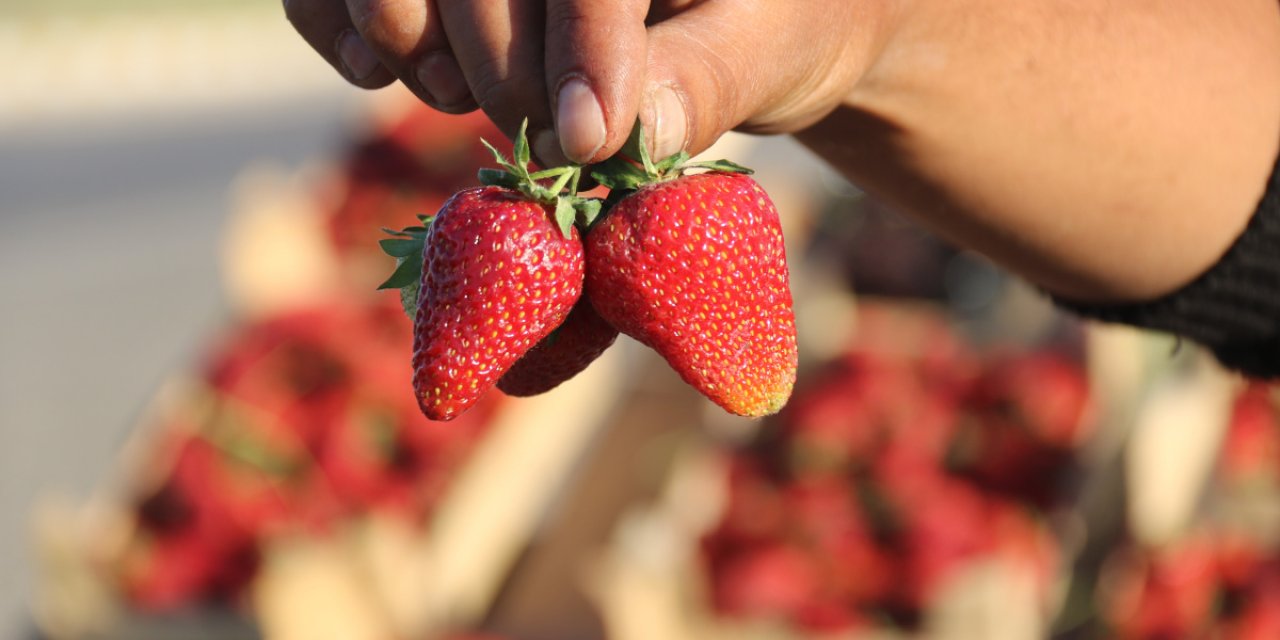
x=1233 y=308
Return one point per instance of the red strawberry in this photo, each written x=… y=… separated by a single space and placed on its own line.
x=497 y=277
x=695 y=268
x=561 y=355
x=500 y=269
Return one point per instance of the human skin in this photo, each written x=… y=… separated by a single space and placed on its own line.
x=1107 y=151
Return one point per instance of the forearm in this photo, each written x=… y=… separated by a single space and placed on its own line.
x=1105 y=150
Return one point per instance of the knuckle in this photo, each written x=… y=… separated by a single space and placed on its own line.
x=497 y=93
x=393 y=24
x=507 y=96
x=368 y=15
x=488 y=77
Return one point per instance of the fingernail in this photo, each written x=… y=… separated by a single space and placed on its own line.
x=442 y=79
x=547 y=147
x=579 y=120
x=671 y=125
x=357 y=59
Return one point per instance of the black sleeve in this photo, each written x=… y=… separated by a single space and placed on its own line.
x=1233 y=308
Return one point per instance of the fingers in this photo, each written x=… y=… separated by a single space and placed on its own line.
x=499 y=49
x=581 y=70
x=595 y=54
x=327 y=27
x=573 y=68
x=409 y=38
x=759 y=66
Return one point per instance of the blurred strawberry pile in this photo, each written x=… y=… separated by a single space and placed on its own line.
x=887 y=473
x=305 y=419
x=1223 y=579
x=1206 y=586
x=302 y=421
x=892 y=472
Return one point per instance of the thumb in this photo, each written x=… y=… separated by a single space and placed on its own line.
x=760 y=67
x=594 y=70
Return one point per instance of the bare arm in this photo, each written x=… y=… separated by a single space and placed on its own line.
x=1105 y=150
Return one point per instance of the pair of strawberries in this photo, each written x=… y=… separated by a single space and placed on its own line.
x=523 y=283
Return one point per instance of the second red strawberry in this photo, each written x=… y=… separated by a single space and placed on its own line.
x=694 y=266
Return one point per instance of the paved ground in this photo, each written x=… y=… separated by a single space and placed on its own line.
x=111 y=210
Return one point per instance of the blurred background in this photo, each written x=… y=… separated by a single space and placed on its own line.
x=124 y=127
x=206 y=427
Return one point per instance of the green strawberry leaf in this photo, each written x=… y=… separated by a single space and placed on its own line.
x=618 y=173
x=721 y=165
x=588 y=209
x=497 y=155
x=565 y=214
x=402 y=247
x=406 y=246
x=498 y=178
x=408 y=271
x=637 y=148
x=547 y=174
x=671 y=162
x=520 y=151
x=409 y=298
x=501 y=159
x=563 y=180
x=645 y=160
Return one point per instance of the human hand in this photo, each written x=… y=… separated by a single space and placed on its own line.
x=581 y=71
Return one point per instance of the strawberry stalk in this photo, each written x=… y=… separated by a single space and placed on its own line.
x=633 y=167
x=568 y=207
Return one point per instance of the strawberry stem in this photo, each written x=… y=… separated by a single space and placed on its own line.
x=563 y=180
x=568 y=208
x=645 y=161
x=551 y=173
x=633 y=168
x=573 y=182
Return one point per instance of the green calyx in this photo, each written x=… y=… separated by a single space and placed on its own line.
x=406 y=247
x=561 y=192
x=633 y=168
x=557 y=187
